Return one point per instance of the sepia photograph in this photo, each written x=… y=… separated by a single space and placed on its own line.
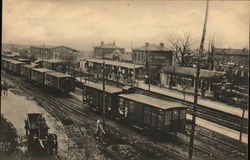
x=124 y=80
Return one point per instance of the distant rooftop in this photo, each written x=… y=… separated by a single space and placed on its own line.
x=28 y=66
x=42 y=70
x=192 y=71
x=58 y=74
x=108 y=45
x=116 y=63
x=54 y=60
x=53 y=47
x=230 y=51
x=152 y=47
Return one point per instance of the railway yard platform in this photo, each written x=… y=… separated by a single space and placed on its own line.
x=190 y=98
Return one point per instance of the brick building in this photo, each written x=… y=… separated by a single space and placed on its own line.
x=53 y=52
x=158 y=55
x=233 y=60
x=106 y=51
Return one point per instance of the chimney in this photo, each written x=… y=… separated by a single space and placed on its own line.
x=146 y=44
x=113 y=43
x=161 y=45
x=102 y=43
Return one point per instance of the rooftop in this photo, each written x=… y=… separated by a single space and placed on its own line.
x=108 y=45
x=152 y=101
x=99 y=86
x=192 y=71
x=53 y=47
x=58 y=74
x=54 y=61
x=230 y=51
x=116 y=63
x=152 y=47
x=28 y=66
x=17 y=62
x=42 y=70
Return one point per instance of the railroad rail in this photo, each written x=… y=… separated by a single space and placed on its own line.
x=69 y=109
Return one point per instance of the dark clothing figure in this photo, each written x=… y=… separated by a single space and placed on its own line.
x=5 y=88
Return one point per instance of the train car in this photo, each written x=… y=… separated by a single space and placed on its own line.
x=38 y=75
x=59 y=81
x=152 y=113
x=27 y=61
x=26 y=71
x=15 y=67
x=4 y=62
x=39 y=140
x=55 y=64
x=93 y=93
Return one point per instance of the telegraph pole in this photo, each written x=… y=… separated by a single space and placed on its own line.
x=196 y=85
x=103 y=96
x=149 y=71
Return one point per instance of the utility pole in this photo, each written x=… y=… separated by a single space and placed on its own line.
x=149 y=70
x=103 y=97
x=197 y=78
x=133 y=59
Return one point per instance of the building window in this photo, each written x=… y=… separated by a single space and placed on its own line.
x=143 y=57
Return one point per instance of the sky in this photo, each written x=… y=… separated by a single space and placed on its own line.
x=83 y=24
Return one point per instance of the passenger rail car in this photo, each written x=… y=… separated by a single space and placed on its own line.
x=137 y=109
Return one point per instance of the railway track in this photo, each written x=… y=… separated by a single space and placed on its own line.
x=72 y=112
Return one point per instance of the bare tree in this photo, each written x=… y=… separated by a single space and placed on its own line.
x=182 y=47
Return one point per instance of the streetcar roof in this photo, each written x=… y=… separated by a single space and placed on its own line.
x=99 y=86
x=162 y=104
x=58 y=74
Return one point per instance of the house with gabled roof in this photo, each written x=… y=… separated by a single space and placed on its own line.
x=106 y=51
x=54 y=52
x=157 y=55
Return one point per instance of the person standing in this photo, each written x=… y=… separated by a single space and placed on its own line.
x=5 y=88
